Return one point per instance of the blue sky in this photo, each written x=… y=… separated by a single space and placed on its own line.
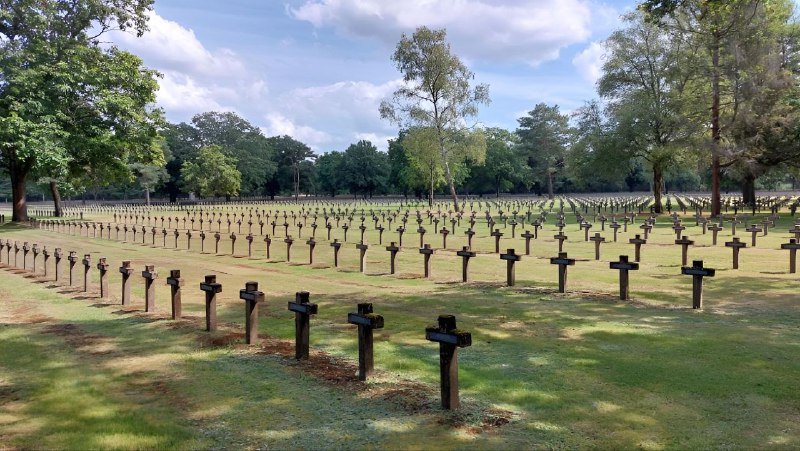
x=317 y=69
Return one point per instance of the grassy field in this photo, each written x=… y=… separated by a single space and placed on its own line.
x=548 y=370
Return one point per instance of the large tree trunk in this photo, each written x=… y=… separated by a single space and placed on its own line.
x=550 y=176
x=716 y=203
x=57 y=204
x=749 y=189
x=147 y=196
x=430 y=196
x=18 y=191
x=658 y=182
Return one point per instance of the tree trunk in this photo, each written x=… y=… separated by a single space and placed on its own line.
x=430 y=196
x=658 y=182
x=18 y=192
x=147 y=196
x=550 y=176
x=716 y=203
x=749 y=189
x=296 y=183
x=57 y=205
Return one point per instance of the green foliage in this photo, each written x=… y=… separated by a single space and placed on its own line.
x=290 y=155
x=241 y=140
x=505 y=167
x=544 y=137
x=212 y=173
x=364 y=170
x=437 y=98
x=330 y=176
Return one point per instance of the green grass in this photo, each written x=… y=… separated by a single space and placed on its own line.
x=576 y=370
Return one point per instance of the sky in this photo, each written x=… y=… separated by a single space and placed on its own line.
x=318 y=69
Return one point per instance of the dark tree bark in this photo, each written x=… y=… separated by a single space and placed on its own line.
x=749 y=189
x=57 y=204
x=658 y=183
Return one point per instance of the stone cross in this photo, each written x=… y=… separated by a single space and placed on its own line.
x=427 y=251
x=288 y=240
x=792 y=246
x=252 y=297
x=615 y=226
x=647 y=228
x=73 y=259
x=312 y=243
x=444 y=232
x=715 y=229
x=465 y=253
x=563 y=262
x=586 y=226
x=678 y=228
x=754 y=230
x=217 y=236
x=637 y=242
x=561 y=238
x=211 y=288
x=469 y=233
x=267 y=243
x=623 y=266
x=450 y=339
x=366 y=321
x=497 y=235
x=527 y=235
x=736 y=245
x=150 y=275
x=362 y=260
x=25 y=249
x=302 y=314
x=126 y=272
x=697 y=271
x=336 y=245
x=400 y=231
x=685 y=243
x=102 y=268
x=597 y=240
x=87 y=266
x=233 y=243
x=345 y=228
x=35 y=250
x=249 y=239
x=511 y=258
x=421 y=231
x=175 y=283
x=393 y=250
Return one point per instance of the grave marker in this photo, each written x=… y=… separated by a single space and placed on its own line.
x=563 y=262
x=684 y=243
x=623 y=266
x=393 y=250
x=126 y=272
x=366 y=321
x=511 y=258
x=427 y=251
x=87 y=266
x=149 y=275
x=302 y=313
x=252 y=297
x=175 y=283
x=736 y=245
x=792 y=246
x=465 y=253
x=697 y=271
x=597 y=240
x=210 y=287
x=450 y=339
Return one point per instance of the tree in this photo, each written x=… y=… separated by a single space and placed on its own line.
x=149 y=177
x=716 y=29
x=544 y=136
x=644 y=84
x=403 y=178
x=436 y=95
x=240 y=140
x=330 y=175
x=504 y=168
x=364 y=170
x=290 y=154
x=212 y=173
x=66 y=102
x=182 y=141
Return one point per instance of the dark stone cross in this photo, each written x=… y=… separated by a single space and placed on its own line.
x=150 y=275
x=400 y=231
x=527 y=235
x=465 y=253
x=754 y=230
x=615 y=226
x=267 y=242
x=444 y=233
x=736 y=245
x=102 y=268
x=497 y=235
x=637 y=242
x=73 y=259
x=561 y=238
x=336 y=245
x=380 y=230
x=35 y=251
x=251 y=296
x=597 y=240
x=233 y=243
x=366 y=321
x=216 y=242
x=87 y=267
x=345 y=228
x=362 y=260
x=450 y=339
x=563 y=262
x=421 y=231
x=715 y=229
x=126 y=272
x=469 y=233
x=647 y=228
x=312 y=243
x=302 y=325
x=684 y=243
x=249 y=239
x=427 y=251
x=697 y=271
x=393 y=250
x=25 y=249
x=678 y=228
x=586 y=226
x=511 y=258
x=211 y=288
x=623 y=266
x=792 y=246
x=57 y=256
x=796 y=232
x=175 y=283
x=288 y=240
x=46 y=255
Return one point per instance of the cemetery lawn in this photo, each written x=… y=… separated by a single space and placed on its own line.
x=545 y=370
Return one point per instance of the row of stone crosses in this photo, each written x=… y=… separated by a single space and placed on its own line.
x=445 y=333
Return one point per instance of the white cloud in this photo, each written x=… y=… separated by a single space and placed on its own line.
x=277 y=124
x=530 y=31
x=195 y=78
x=590 y=61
